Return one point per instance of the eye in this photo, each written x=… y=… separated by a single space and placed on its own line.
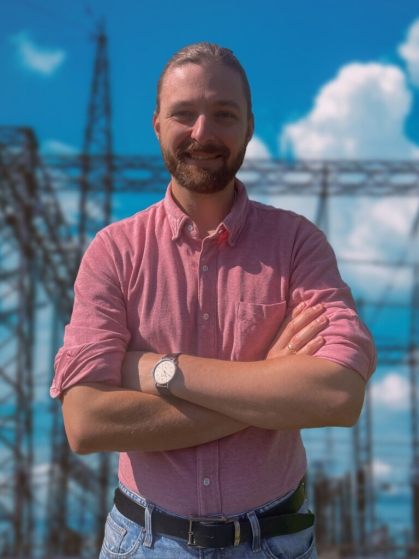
x=226 y=115
x=183 y=114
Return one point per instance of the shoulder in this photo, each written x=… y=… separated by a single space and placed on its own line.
x=282 y=220
x=137 y=222
x=122 y=242
x=128 y=232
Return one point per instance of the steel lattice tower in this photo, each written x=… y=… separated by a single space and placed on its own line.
x=95 y=200
x=36 y=250
x=97 y=159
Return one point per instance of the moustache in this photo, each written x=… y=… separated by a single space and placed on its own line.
x=208 y=149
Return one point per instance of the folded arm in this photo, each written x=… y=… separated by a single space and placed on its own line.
x=283 y=392
x=103 y=418
x=294 y=392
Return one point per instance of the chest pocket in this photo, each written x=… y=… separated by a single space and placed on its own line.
x=255 y=328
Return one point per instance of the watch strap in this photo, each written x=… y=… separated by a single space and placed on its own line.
x=174 y=357
x=163 y=390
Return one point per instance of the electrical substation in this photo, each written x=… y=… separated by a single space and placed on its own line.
x=51 y=206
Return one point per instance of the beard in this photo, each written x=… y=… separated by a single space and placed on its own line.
x=198 y=179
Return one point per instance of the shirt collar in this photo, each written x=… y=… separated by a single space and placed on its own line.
x=232 y=224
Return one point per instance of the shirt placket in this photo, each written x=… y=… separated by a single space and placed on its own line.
x=209 y=495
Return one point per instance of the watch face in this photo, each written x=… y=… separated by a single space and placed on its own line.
x=164 y=371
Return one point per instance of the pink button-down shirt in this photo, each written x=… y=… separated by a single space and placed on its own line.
x=149 y=283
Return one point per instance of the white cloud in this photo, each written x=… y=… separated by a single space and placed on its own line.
x=360 y=114
x=391 y=392
x=42 y=470
x=256 y=149
x=409 y=51
x=375 y=231
x=38 y=59
x=56 y=147
x=380 y=468
x=377 y=228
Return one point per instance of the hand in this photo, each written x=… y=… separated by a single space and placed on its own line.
x=300 y=331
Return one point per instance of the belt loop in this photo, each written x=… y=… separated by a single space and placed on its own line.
x=254 y=523
x=148 y=540
x=236 y=531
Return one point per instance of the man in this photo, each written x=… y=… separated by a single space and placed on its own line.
x=195 y=350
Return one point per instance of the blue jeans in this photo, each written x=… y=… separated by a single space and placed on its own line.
x=126 y=540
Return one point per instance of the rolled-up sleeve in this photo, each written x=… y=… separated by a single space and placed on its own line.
x=315 y=278
x=96 y=339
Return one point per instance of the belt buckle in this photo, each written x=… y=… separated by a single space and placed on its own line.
x=208 y=519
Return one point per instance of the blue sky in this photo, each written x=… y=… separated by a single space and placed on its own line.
x=329 y=79
x=289 y=49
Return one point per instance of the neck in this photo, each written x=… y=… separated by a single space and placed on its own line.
x=207 y=211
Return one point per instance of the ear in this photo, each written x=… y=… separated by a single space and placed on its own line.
x=250 y=128
x=156 y=124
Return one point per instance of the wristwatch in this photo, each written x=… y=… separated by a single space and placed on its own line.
x=164 y=371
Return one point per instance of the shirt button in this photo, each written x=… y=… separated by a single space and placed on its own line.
x=190 y=227
x=205 y=268
x=207 y=481
x=206 y=316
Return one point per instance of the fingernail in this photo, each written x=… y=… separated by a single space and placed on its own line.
x=317 y=307
x=318 y=339
x=301 y=305
x=321 y=318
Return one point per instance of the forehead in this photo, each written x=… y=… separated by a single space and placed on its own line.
x=210 y=82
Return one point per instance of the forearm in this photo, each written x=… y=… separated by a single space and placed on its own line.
x=103 y=418
x=284 y=393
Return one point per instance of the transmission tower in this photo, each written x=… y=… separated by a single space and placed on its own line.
x=18 y=271
x=96 y=199
x=95 y=189
x=35 y=250
x=97 y=158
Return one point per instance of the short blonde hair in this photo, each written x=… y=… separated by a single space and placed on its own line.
x=202 y=53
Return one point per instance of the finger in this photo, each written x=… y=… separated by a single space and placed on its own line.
x=308 y=333
x=295 y=312
x=300 y=318
x=301 y=321
x=312 y=346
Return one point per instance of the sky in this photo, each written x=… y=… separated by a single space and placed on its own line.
x=305 y=60
x=329 y=79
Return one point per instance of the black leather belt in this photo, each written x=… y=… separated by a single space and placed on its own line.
x=222 y=532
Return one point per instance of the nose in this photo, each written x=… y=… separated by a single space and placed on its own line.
x=202 y=130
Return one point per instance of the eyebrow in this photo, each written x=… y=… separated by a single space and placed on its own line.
x=228 y=103
x=219 y=103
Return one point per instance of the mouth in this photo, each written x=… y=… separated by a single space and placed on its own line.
x=203 y=156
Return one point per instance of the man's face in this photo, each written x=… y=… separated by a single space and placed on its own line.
x=203 y=126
